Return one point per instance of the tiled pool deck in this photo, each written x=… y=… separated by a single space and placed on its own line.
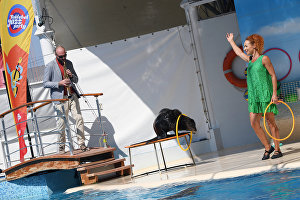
x=223 y=164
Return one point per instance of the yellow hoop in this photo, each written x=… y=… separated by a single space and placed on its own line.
x=293 y=121
x=178 y=137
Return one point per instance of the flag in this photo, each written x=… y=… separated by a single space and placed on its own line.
x=1 y=69
x=16 y=25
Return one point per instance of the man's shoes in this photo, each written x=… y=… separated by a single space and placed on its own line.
x=61 y=150
x=84 y=148
x=277 y=154
x=267 y=153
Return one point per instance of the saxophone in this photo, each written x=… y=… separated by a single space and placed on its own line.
x=66 y=76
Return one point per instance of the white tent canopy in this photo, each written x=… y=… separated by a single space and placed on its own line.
x=78 y=23
x=85 y=23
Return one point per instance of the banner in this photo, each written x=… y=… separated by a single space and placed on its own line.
x=16 y=25
x=1 y=69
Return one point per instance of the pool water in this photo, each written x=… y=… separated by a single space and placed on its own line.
x=271 y=185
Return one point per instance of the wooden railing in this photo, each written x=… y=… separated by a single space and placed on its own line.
x=93 y=94
x=32 y=103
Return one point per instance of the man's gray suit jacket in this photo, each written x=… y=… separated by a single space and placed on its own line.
x=52 y=76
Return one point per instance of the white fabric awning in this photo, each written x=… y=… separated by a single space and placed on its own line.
x=85 y=23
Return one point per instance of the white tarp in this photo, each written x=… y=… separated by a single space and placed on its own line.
x=138 y=77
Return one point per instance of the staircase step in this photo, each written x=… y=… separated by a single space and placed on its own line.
x=92 y=163
x=94 y=151
x=127 y=167
x=100 y=164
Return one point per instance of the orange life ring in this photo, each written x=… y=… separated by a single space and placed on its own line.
x=227 y=65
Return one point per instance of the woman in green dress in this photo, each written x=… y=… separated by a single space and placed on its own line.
x=262 y=89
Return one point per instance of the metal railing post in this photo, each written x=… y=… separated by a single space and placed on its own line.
x=157 y=158
x=163 y=156
x=3 y=152
x=38 y=130
x=7 y=162
x=131 y=174
x=67 y=130
x=101 y=125
x=34 y=132
x=187 y=143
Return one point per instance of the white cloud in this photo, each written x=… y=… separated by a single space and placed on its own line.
x=289 y=26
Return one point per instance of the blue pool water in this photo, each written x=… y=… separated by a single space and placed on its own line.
x=271 y=185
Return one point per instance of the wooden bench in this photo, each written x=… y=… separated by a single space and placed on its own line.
x=154 y=141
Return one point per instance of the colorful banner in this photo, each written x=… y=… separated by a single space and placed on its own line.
x=1 y=69
x=16 y=25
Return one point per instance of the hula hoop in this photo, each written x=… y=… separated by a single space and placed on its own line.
x=286 y=53
x=292 y=126
x=178 y=137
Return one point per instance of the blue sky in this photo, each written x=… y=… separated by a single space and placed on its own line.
x=278 y=21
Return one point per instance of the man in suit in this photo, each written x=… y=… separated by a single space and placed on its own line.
x=55 y=79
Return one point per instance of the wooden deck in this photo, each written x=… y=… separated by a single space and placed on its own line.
x=58 y=162
x=90 y=164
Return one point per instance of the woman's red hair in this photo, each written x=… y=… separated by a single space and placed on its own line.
x=258 y=41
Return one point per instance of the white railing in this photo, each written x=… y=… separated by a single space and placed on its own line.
x=37 y=144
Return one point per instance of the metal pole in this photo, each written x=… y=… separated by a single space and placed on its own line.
x=29 y=141
x=192 y=21
x=34 y=132
x=8 y=163
x=38 y=131
x=3 y=152
x=101 y=125
x=190 y=150
x=163 y=156
x=157 y=158
x=191 y=15
x=130 y=162
x=67 y=130
x=29 y=99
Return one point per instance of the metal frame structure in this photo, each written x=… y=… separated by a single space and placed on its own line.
x=161 y=149
x=194 y=11
x=39 y=144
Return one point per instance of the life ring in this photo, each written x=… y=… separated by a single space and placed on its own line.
x=227 y=65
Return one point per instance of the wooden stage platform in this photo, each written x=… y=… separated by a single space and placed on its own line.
x=88 y=163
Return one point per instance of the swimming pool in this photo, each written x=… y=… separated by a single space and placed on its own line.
x=271 y=185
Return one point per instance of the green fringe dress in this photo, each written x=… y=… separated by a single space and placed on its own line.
x=260 y=88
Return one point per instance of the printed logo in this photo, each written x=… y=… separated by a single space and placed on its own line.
x=15 y=76
x=17 y=20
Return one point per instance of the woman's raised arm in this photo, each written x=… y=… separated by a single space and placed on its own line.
x=235 y=48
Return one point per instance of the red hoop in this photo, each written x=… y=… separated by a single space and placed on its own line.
x=287 y=56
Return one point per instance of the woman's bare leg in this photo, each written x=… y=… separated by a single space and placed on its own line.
x=273 y=128
x=255 y=124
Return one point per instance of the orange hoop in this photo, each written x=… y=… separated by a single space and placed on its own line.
x=191 y=135
x=227 y=68
x=292 y=126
